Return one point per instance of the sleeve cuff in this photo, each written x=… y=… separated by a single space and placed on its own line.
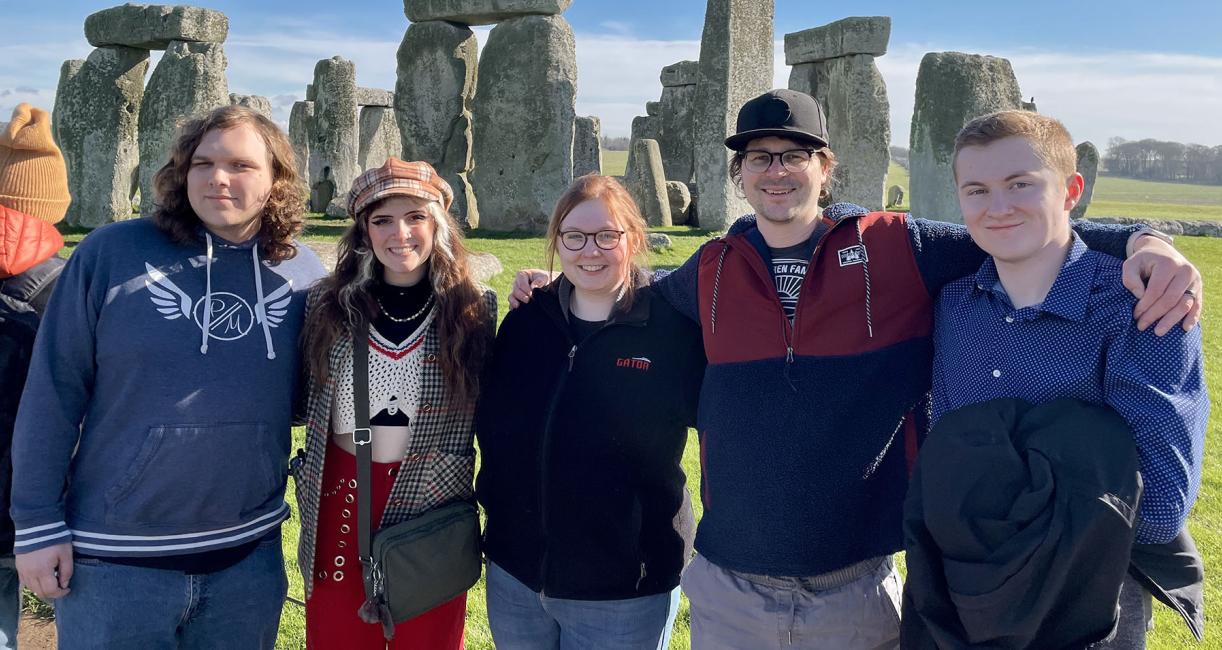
x=1142 y=232
x=37 y=537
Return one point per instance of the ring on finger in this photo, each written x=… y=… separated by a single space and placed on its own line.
x=1190 y=293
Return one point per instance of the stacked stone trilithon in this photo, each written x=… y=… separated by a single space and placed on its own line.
x=735 y=65
x=114 y=131
x=835 y=64
x=1088 y=167
x=951 y=88
x=669 y=123
x=510 y=142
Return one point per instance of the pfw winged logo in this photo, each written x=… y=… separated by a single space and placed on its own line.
x=230 y=317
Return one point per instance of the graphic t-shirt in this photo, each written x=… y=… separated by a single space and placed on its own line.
x=788 y=270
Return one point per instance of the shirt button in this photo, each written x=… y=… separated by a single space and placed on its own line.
x=1009 y=319
x=996 y=373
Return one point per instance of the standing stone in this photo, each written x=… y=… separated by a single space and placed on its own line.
x=735 y=65
x=835 y=64
x=435 y=83
x=259 y=103
x=895 y=196
x=153 y=27
x=380 y=137
x=189 y=80
x=680 y=202
x=644 y=127
x=98 y=125
x=587 y=147
x=951 y=88
x=334 y=149
x=854 y=96
x=678 y=108
x=68 y=94
x=524 y=119
x=301 y=126
x=375 y=97
x=1088 y=166
x=648 y=183
x=480 y=12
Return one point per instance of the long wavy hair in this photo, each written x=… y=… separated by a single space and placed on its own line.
x=345 y=300
x=623 y=211
x=284 y=210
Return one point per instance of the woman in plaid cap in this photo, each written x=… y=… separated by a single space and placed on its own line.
x=402 y=269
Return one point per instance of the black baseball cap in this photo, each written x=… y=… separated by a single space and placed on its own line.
x=783 y=113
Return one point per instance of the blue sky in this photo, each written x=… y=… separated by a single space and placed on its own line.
x=1122 y=68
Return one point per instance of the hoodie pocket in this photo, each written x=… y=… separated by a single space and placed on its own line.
x=196 y=476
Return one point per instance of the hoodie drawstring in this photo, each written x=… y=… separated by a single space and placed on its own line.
x=260 y=308
x=721 y=260
x=207 y=324
x=865 y=266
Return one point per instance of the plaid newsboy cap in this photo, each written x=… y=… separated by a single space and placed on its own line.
x=398 y=178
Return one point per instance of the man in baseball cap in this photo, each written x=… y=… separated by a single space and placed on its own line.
x=817 y=327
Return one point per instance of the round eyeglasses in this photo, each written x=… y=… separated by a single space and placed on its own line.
x=794 y=160
x=575 y=240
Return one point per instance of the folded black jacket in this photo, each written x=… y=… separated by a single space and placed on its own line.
x=1018 y=526
x=580 y=445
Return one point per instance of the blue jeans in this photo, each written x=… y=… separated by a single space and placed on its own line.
x=10 y=602
x=116 y=606
x=521 y=619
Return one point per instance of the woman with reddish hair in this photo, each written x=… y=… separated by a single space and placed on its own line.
x=588 y=520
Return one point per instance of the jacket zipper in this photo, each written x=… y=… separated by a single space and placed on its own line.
x=640 y=579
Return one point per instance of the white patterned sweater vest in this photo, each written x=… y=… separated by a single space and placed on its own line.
x=394 y=378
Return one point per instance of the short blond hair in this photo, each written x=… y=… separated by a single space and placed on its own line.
x=1048 y=137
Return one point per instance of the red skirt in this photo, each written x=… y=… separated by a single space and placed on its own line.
x=331 y=611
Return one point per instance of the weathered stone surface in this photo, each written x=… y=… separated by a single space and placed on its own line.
x=895 y=196
x=310 y=94
x=334 y=149
x=380 y=137
x=301 y=125
x=97 y=125
x=259 y=103
x=152 y=27
x=680 y=202
x=524 y=119
x=678 y=137
x=854 y=96
x=189 y=80
x=647 y=183
x=480 y=12
x=1088 y=166
x=653 y=109
x=845 y=37
x=483 y=266
x=587 y=147
x=735 y=65
x=951 y=88
x=683 y=73
x=338 y=206
x=375 y=97
x=644 y=127
x=658 y=241
x=434 y=86
x=68 y=93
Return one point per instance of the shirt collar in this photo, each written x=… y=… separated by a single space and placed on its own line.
x=1070 y=292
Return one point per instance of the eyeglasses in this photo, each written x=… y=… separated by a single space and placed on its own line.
x=794 y=160
x=575 y=240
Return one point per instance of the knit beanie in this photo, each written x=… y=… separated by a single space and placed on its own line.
x=33 y=178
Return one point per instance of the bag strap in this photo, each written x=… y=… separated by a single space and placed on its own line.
x=374 y=609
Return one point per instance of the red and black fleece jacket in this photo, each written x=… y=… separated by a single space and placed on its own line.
x=808 y=429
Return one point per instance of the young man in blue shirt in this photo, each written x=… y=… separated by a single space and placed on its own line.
x=1045 y=317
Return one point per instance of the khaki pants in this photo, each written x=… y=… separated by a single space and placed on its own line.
x=855 y=608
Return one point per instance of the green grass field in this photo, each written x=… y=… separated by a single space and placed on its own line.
x=1126 y=197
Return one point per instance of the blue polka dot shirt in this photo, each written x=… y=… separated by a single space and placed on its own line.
x=1082 y=343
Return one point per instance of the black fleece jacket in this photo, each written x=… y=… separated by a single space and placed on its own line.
x=580 y=446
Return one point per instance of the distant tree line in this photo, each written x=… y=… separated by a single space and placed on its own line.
x=1157 y=160
x=615 y=144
